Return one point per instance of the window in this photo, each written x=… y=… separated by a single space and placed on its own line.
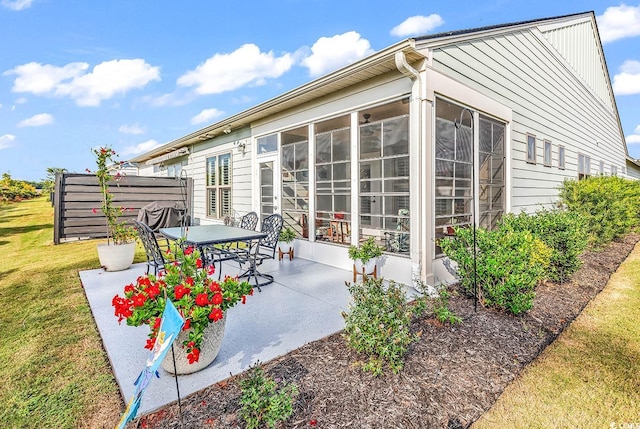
x=602 y=168
x=584 y=166
x=333 y=180
x=561 y=157
x=547 y=153
x=295 y=179
x=531 y=149
x=219 y=185
x=267 y=144
x=614 y=170
x=454 y=190
x=384 y=176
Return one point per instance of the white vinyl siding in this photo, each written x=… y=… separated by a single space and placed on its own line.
x=523 y=71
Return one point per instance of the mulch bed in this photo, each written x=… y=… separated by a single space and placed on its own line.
x=451 y=376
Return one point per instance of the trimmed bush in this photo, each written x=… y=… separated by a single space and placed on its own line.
x=508 y=265
x=561 y=230
x=378 y=324
x=609 y=205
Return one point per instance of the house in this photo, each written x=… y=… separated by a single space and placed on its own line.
x=431 y=132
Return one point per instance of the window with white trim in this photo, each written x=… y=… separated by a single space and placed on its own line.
x=218 y=184
x=602 y=168
x=561 y=157
x=547 y=153
x=584 y=166
x=531 y=148
x=614 y=170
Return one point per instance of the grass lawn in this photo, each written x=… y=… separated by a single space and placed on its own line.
x=590 y=376
x=54 y=372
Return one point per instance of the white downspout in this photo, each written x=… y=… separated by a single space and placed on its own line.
x=418 y=209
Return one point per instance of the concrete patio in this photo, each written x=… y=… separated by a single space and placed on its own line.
x=302 y=305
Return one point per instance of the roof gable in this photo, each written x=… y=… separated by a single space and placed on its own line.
x=577 y=42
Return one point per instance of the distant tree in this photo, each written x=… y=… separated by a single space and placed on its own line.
x=15 y=190
x=49 y=184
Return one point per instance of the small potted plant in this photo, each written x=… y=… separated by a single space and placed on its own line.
x=201 y=301
x=118 y=252
x=285 y=246
x=365 y=257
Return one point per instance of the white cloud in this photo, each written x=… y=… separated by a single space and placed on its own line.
x=16 y=4
x=627 y=82
x=140 y=148
x=6 y=140
x=87 y=88
x=331 y=53
x=206 y=115
x=417 y=25
x=226 y=72
x=37 y=120
x=635 y=137
x=619 y=22
x=131 y=129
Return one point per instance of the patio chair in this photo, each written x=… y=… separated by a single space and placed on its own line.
x=231 y=251
x=263 y=250
x=398 y=241
x=152 y=249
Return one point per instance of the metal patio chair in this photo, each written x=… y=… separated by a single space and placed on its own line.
x=262 y=250
x=155 y=257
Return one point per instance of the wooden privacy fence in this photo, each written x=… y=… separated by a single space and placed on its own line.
x=77 y=195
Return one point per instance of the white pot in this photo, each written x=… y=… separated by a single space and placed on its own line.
x=116 y=257
x=369 y=266
x=211 y=342
x=284 y=247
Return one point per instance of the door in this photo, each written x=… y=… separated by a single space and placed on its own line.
x=268 y=189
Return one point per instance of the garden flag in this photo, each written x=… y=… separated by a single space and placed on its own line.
x=170 y=326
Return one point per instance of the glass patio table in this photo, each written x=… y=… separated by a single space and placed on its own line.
x=206 y=236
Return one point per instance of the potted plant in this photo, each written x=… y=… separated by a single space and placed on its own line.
x=287 y=235
x=201 y=301
x=365 y=257
x=118 y=252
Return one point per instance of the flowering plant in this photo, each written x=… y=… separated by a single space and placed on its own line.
x=187 y=283
x=119 y=232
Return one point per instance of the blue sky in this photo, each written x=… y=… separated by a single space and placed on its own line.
x=134 y=74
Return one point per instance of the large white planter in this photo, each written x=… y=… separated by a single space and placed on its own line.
x=211 y=342
x=284 y=246
x=116 y=257
x=369 y=266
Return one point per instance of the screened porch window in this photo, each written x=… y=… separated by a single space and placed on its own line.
x=454 y=163
x=384 y=182
x=584 y=166
x=218 y=183
x=333 y=180
x=295 y=180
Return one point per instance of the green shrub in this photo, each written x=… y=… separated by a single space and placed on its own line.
x=508 y=265
x=263 y=402
x=561 y=230
x=378 y=324
x=610 y=205
x=437 y=303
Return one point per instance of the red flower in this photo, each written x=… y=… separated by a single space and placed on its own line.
x=216 y=314
x=187 y=324
x=188 y=251
x=313 y=422
x=157 y=323
x=251 y=292
x=244 y=299
x=217 y=299
x=94 y=210
x=198 y=263
x=193 y=356
x=150 y=343
x=190 y=344
x=139 y=300
x=181 y=291
x=211 y=270
x=215 y=287
x=202 y=299
x=129 y=288
x=189 y=281
x=152 y=291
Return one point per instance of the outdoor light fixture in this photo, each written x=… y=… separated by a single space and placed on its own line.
x=227 y=129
